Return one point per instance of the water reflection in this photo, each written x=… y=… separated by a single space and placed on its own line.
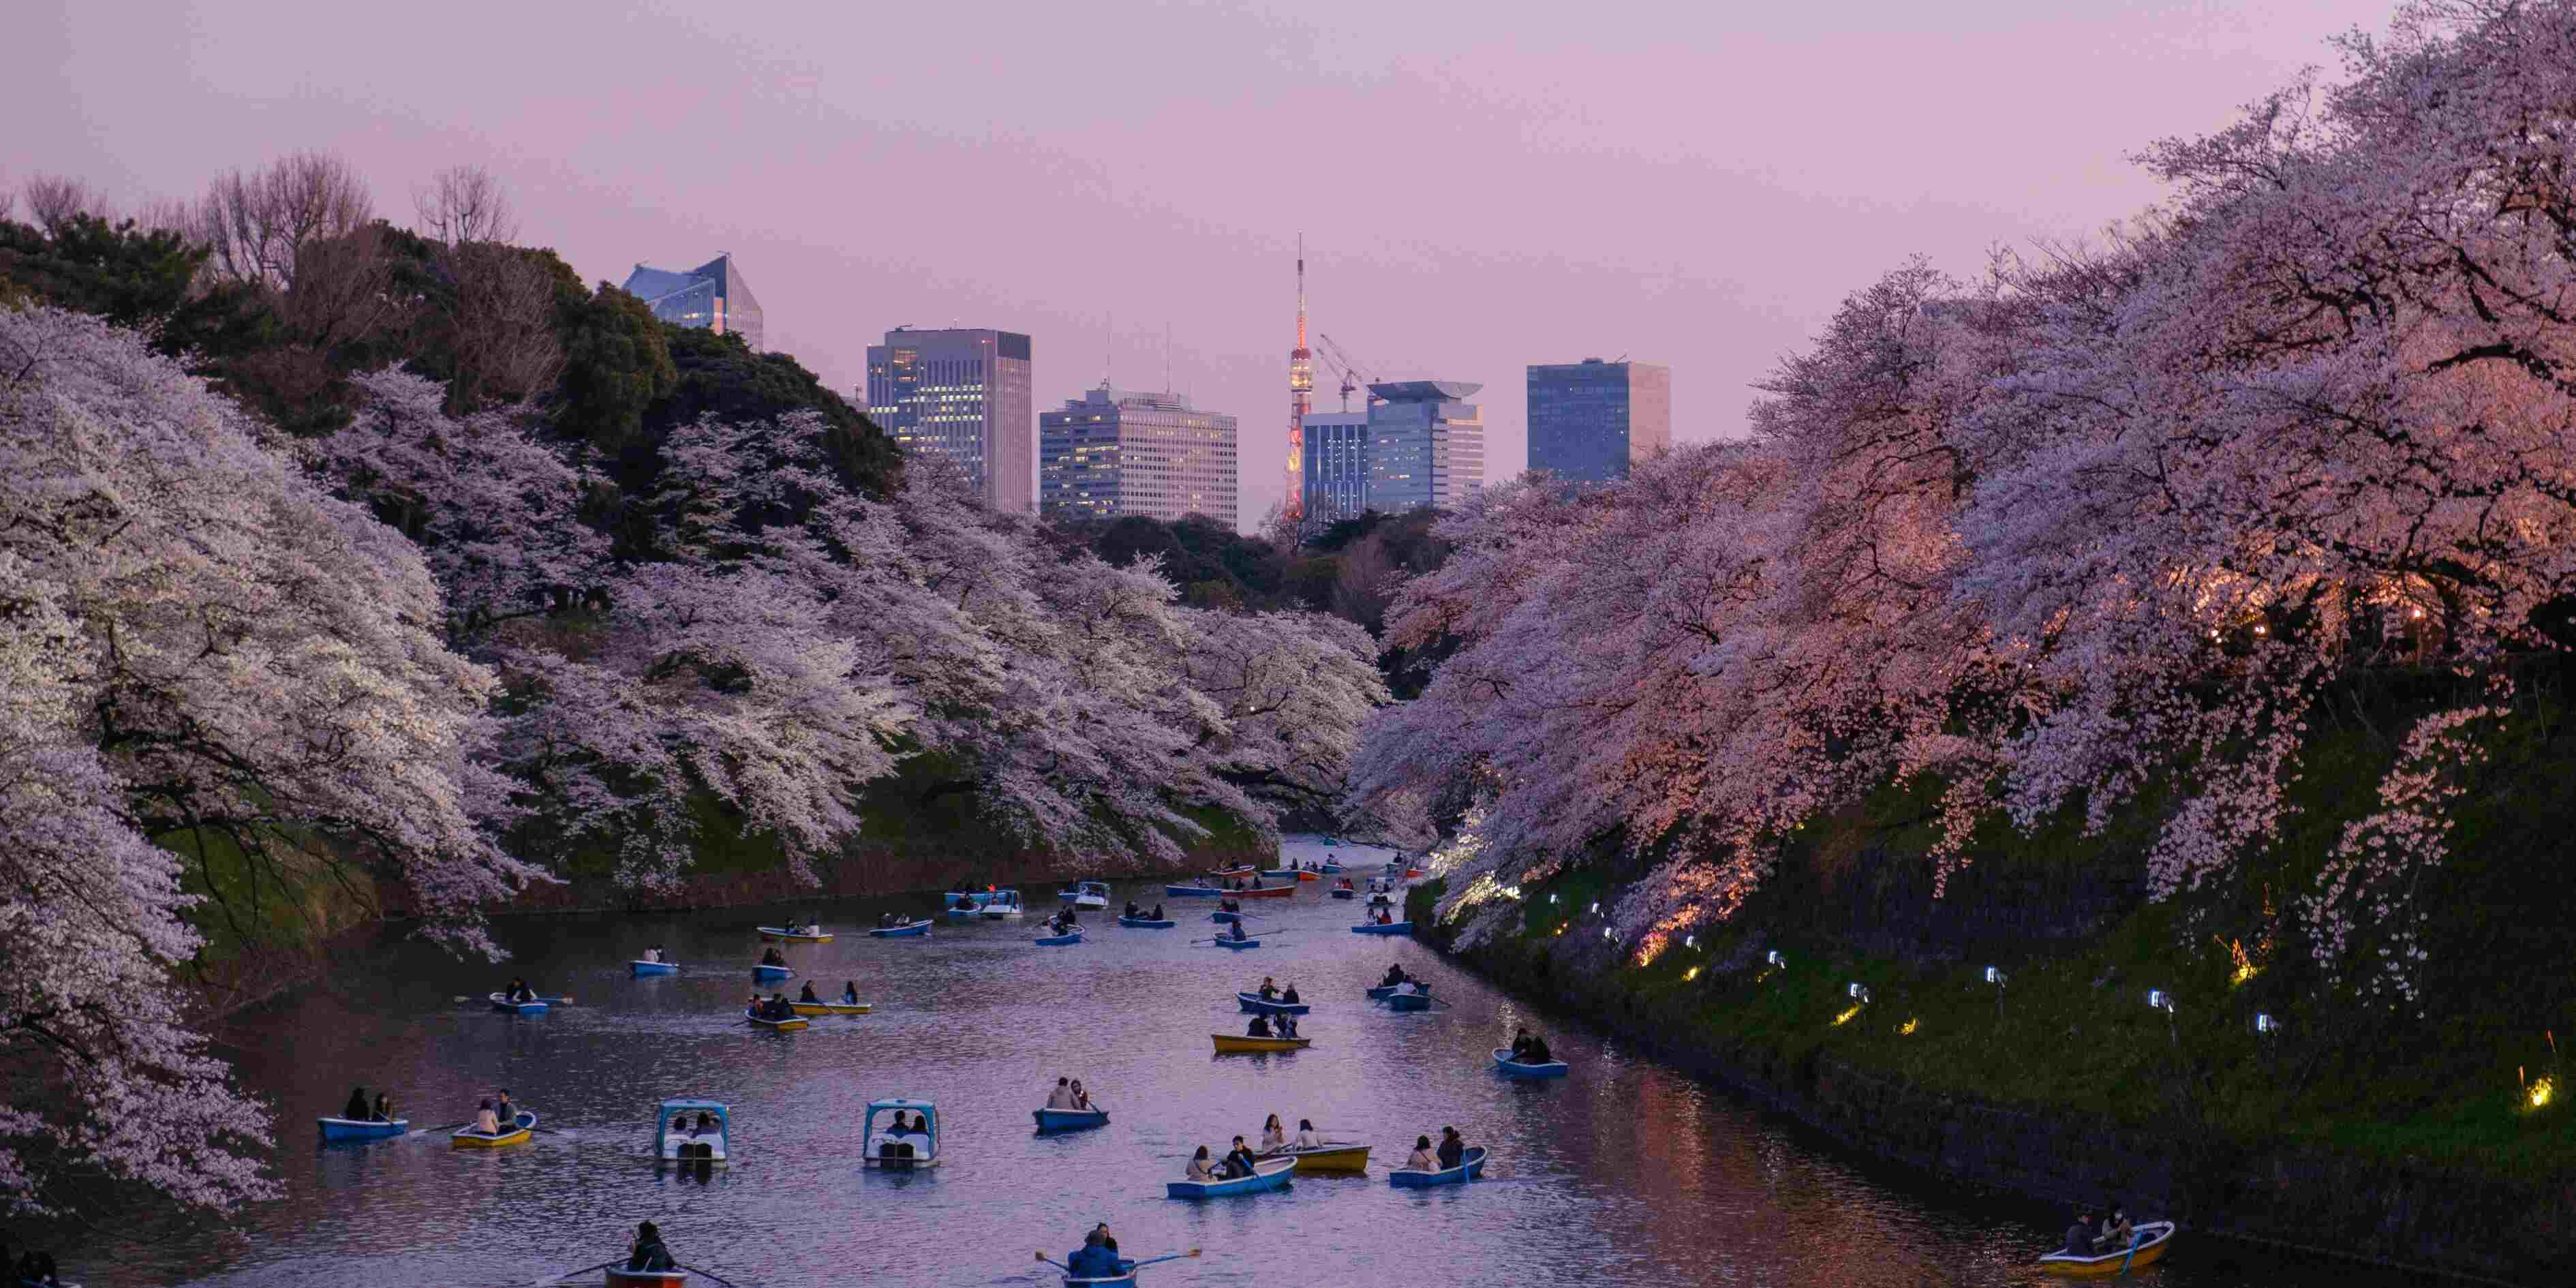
x=1626 y=1172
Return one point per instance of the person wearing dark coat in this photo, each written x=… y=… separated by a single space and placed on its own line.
x=2079 y=1236
x=356 y=1109
x=1452 y=1149
x=1259 y=1028
x=770 y=957
x=384 y=1111
x=649 y=1252
x=1158 y=913
x=1238 y=931
x=1290 y=997
x=808 y=994
x=1093 y=1260
x=1238 y=1160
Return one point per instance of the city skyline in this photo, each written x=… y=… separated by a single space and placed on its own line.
x=1029 y=194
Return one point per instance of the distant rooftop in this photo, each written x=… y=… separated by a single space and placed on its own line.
x=1425 y=390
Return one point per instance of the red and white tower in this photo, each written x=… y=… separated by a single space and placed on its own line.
x=1301 y=397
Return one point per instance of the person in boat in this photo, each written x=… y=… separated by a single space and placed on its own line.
x=1422 y=1159
x=770 y=956
x=779 y=1007
x=1238 y=1161
x=1394 y=976
x=1200 y=1168
x=1238 y=931
x=384 y=1111
x=1259 y=1028
x=2117 y=1230
x=649 y=1252
x=506 y=1111
x=1453 y=1148
x=1093 y=1260
x=519 y=991
x=486 y=1122
x=1081 y=1098
x=1108 y=1240
x=849 y=992
x=807 y=994
x=38 y=1268
x=1158 y=913
x=1273 y=1136
x=2080 y=1236
x=1062 y=1096
x=1306 y=1137
x=1290 y=997
x=1131 y=914
x=1269 y=989
x=356 y=1110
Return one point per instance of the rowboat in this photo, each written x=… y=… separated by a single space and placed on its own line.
x=1329 y=868
x=2148 y=1243
x=639 y=969
x=1408 y=1001
x=361 y=1128
x=675 y=1141
x=1244 y=871
x=833 y=1008
x=1265 y=892
x=1331 y=1156
x=1470 y=1164
x=1390 y=928
x=522 y=1125
x=1339 y=892
x=1255 y=1004
x=1267 y=1174
x=1228 y=941
x=1086 y=894
x=788 y=1025
x=502 y=1002
x=1192 y=892
x=646 y=1278
x=909 y=928
x=784 y=935
x=1511 y=1068
x=1066 y=939
x=1070 y=1119
x=1236 y=1044
x=1291 y=874
x=770 y=972
x=1147 y=923
x=1385 y=991
x=1223 y=918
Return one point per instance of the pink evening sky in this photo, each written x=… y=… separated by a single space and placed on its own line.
x=1481 y=186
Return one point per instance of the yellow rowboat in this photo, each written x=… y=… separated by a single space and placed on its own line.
x=1331 y=1156
x=833 y=1008
x=1228 y=1042
x=2150 y=1239
x=520 y=1127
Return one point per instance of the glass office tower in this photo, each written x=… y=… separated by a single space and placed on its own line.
x=711 y=297
x=1336 y=474
x=963 y=395
x=1113 y=453
x=1426 y=445
x=1589 y=421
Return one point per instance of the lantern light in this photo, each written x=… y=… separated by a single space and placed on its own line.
x=2264 y=1023
x=1596 y=905
x=1775 y=958
x=1857 y=991
x=1995 y=976
x=1690 y=941
x=2160 y=1000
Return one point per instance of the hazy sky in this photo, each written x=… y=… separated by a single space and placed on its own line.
x=1481 y=186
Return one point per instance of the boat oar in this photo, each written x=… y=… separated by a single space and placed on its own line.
x=708 y=1273
x=2134 y=1241
x=570 y=1273
x=451 y=1127
x=1174 y=1257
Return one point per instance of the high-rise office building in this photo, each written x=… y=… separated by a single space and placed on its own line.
x=1336 y=466
x=1115 y=453
x=963 y=395
x=1590 y=421
x=711 y=297
x=1426 y=445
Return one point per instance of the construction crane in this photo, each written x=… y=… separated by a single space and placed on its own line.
x=1353 y=372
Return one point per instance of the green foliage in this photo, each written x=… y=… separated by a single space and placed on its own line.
x=617 y=363
x=720 y=376
x=135 y=278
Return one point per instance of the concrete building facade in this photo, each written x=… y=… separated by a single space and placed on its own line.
x=1426 y=445
x=964 y=395
x=1116 y=453
x=1591 y=421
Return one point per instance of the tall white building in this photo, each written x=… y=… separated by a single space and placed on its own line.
x=1113 y=453
x=964 y=395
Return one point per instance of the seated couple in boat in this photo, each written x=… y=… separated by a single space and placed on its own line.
x=488 y=1120
x=1270 y=993
x=1236 y=1164
x=1452 y=1151
x=648 y=1251
x=892 y=1142
x=774 y=1007
x=1068 y=1094
x=1274 y=1138
x=1383 y=919
x=1097 y=1258
x=892 y=921
x=770 y=956
x=2085 y=1238
x=703 y=1125
x=1266 y=1026
x=1133 y=915
x=653 y=954
x=359 y=1111
x=1064 y=921
x=518 y=991
x=1528 y=1048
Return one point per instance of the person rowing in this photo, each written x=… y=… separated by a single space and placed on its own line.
x=1062 y=1096
x=356 y=1110
x=1259 y=1028
x=648 y=1251
x=1528 y=1049
x=1290 y=997
x=520 y=992
x=1394 y=975
x=1238 y=1161
x=384 y=1112
x=1453 y=1148
x=1158 y=913
x=1095 y=1259
x=1131 y=914
x=1269 y=990
x=770 y=956
x=1238 y=931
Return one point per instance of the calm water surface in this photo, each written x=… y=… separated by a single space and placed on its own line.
x=1627 y=1172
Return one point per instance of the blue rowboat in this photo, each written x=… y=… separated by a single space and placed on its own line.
x=502 y=1002
x=1408 y=1001
x=1253 y=1004
x=1268 y=1174
x=1191 y=892
x=1340 y=893
x=1147 y=923
x=642 y=969
x=1390 y=928
x=1470 y=1165
x=1225 y=918
x=1239 y=943
x=1060 y=941
x=361 y=1129
x=921 y=927
x=1511 y=1068
x=1385 y=991
x=1328 y=868
x=1070 y=1119
x=770 y=972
